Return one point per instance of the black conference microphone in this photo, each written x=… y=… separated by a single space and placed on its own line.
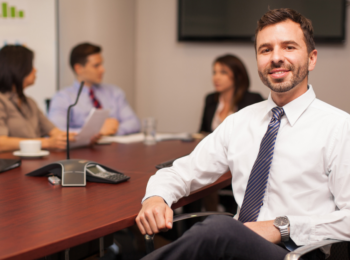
x=71 y=171
x=75 y=172
x=68 y=116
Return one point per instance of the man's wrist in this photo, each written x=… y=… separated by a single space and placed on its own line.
x=155 y=196
x=282 y=224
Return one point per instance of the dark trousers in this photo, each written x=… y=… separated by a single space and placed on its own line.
x=221 y=237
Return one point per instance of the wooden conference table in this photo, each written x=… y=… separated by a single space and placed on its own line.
x=39 y=219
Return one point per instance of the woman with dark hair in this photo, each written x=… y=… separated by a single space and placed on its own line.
x=231 y=83
x=20 y=117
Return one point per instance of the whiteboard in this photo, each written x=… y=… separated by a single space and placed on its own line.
x=33 y=23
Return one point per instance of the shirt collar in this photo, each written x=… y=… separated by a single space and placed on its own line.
x=294 y=109
x=85 y=88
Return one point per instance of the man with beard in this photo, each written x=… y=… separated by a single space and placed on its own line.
x=288 y=156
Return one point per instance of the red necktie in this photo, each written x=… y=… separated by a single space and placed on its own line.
x=94 y=100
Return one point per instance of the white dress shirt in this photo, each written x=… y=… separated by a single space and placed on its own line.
x=309 y=179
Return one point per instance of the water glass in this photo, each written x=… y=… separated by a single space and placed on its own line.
x=149 y=126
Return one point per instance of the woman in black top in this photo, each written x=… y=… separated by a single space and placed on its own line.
x=231 y=82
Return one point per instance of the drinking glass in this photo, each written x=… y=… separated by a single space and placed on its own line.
x=149 y=126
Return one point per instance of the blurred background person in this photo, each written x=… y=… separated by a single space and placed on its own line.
x=20 y=117
x=231 y=82
x=87 y=64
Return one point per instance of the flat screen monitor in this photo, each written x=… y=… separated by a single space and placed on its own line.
x=217 y=20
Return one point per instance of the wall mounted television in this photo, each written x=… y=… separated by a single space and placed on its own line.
x=220 y=20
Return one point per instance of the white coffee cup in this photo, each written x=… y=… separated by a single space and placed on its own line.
x=30 y=146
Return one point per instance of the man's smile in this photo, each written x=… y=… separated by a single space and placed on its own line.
x=278 y=73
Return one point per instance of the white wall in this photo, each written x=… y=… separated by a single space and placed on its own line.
x=109 y=23
x=39 y=19
x=172 y=78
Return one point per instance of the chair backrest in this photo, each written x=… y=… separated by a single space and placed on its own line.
x=47 y=103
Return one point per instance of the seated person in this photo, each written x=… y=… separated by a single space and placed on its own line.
x=20 y=117
x=288 y=156
x=231 y=82
x=87 y=64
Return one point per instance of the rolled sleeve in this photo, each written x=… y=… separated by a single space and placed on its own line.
x=301 y=229
x=45 y=124
x=203 y=166
x=333 y=225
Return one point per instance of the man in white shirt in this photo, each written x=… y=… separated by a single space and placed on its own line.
x=289 y=159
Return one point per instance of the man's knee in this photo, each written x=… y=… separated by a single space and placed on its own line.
x=222 y=223
x=216 y=227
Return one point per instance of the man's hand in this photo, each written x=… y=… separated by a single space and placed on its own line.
x=110 y=127
x=95 y=139
x=266 y=229
x=58 y=140
x=154 y=216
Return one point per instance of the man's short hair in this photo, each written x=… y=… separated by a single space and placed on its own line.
x=283 y=14
x=80 y=53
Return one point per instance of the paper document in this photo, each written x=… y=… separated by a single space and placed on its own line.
x=133 y=138
x=92 y=126
x=172 y=136
x=123 y=139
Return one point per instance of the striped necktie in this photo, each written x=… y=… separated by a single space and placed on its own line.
x=94 y=100
x=259 y=175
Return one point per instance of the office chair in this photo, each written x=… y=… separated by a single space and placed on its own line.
x=149 y=239
x=340 y=249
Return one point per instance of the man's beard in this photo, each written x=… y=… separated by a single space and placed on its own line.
x=298 y=75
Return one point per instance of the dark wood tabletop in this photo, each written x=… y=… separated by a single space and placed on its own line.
x=38 y=219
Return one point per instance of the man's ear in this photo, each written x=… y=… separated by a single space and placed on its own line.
x=78 y=68
x=312 y=60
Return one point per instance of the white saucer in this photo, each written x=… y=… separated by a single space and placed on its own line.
x=31 y=155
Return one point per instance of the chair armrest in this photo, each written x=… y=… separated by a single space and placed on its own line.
x=199 y=214
x=149 y=238
x=294 y=255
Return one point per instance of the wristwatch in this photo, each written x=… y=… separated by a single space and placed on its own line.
x=282 y=223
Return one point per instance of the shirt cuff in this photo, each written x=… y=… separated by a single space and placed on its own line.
x=151 y=197
x=167 y=199
x=301 y=230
